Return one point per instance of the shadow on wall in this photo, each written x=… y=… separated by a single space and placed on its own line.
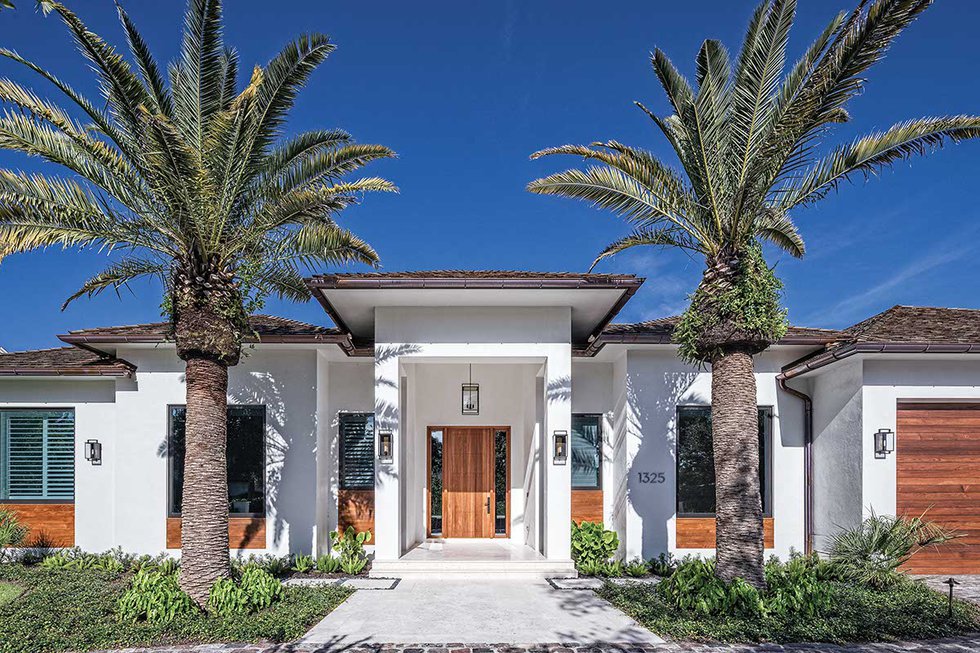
x=560 y=390
x=652 y=475
x=386 y=414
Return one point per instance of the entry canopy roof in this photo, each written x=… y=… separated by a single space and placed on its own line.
x=350 y=299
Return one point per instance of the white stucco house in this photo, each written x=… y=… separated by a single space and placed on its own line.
x=494 y=407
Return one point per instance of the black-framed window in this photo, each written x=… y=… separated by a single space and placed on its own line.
x=246 y=459
x=586 y=452
x=37 y=455
x=696 y=466
x=357 y=451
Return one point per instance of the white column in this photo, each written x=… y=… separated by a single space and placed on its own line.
x=387 y=482
x=326 y=460
x=558 y=478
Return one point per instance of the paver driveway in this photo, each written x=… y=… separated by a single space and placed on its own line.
x=464 y=610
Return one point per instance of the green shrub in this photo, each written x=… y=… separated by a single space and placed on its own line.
x=663 y=565
x=872 y=553
x=694 y=588
x=154 y=596
x=797 y=587
x=277 y=566
x=592 y=546
x=304 y=564
x=256 y=590
x=350 y=546
x=12 y=532
x=328 y=564
x=636 y=568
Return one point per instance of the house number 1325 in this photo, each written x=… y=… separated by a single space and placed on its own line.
x=651 y=477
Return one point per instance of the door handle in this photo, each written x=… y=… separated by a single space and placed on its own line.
x=488 y=505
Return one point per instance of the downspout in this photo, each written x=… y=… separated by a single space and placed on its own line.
x=807 y=461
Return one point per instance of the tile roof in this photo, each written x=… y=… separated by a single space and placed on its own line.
x=917 y=324
x=269 y=328
x=64 y=361
x=663 y=328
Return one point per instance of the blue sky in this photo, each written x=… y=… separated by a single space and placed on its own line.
x=464 y=92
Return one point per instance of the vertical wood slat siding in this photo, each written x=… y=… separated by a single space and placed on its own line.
x=586 y=506
x=54 y=523
x=699 y=532
x=356 y=508
x=243 y=532
x=938 y=473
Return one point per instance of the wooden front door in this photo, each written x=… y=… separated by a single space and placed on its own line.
x=468 y=482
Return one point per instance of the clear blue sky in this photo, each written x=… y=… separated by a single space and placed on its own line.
x=464 y=91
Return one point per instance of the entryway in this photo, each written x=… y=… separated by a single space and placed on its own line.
x=474 y=559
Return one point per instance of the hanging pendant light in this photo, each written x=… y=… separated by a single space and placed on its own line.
x=471 y=396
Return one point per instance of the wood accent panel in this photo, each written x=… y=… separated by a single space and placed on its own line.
x=699 y=532
x=586 y=506
x=938 y=473
x=356 y=508
x=54 y=523
x=467 y=469
x=243 y=532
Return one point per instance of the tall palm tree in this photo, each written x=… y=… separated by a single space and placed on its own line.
x=747 y=138
x=190 y=178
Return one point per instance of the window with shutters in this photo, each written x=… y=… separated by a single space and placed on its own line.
x=357 y=451
x=37 y=455
x=586 y=452
x=246 y=460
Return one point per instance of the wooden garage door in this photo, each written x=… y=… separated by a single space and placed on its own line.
x=938 y=453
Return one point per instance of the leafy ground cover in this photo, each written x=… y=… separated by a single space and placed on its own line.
x=853 y=613
x=8 y=592
x=75 y=609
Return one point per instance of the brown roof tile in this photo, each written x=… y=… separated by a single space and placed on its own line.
x=663 y=328
x=64 y=361
x=917 y=324
x=269 y=328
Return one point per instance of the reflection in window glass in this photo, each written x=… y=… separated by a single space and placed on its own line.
x=500 y=482
x=696 y=466
x=435 y=482
x=586 y=451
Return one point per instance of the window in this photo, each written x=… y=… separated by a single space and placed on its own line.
x=586 y=452
x=695 y=461
x=356 y=451
x=37 y=455
x=500 y=458
x=435 y=481
x=246 y=459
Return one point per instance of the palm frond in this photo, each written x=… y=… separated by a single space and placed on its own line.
x=196 y=78
x=663 y=237
x=118 y=275
x=775 y=225
x=149 y=70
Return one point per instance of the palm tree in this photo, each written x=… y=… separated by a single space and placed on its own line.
x=747 y=138
x=191 y=179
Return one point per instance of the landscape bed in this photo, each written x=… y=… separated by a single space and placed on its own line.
x=75 y=610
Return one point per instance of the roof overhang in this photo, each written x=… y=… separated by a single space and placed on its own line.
x=351 y=300
x=821 y=359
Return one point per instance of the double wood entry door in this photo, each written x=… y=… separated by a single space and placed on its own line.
x=473 y=464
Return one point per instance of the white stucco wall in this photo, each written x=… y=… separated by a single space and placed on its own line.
x=592 y=393
x=656 y=383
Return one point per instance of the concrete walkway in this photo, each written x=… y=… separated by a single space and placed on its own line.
x=420 y=610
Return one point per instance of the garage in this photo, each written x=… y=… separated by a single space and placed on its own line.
x=938 y=458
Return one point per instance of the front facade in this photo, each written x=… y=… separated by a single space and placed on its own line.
x=494 y=407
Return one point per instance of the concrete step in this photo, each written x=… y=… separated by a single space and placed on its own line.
x=474 y=569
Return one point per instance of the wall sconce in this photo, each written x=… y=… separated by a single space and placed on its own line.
x=884 y=442
x=385 y=446
x=93 y=452
x=471 y=396
x=561 y=447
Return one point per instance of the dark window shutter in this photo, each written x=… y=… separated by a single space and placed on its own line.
x=357 y=451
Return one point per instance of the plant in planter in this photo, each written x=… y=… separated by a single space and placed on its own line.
x=350 y=546
x=304 y=564
x=328 y=564
x=636 y=568
x=592 y=547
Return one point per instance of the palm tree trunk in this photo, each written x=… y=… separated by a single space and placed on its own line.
x=738 y=501
x=204 y=534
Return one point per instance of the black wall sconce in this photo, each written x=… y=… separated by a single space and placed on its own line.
x=884 y=443
x=561 y=447
x=93 y=452
x=471 y=396
x=385 y=446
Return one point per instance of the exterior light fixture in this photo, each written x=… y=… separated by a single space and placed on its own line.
x=884 y=443
x=471 y=396
x=561 y=447
x=93 y=452
x=385 y=446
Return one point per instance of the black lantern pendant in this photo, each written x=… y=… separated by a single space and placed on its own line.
x=471 y=396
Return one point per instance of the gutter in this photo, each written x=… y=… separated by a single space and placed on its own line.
x=813 y=362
